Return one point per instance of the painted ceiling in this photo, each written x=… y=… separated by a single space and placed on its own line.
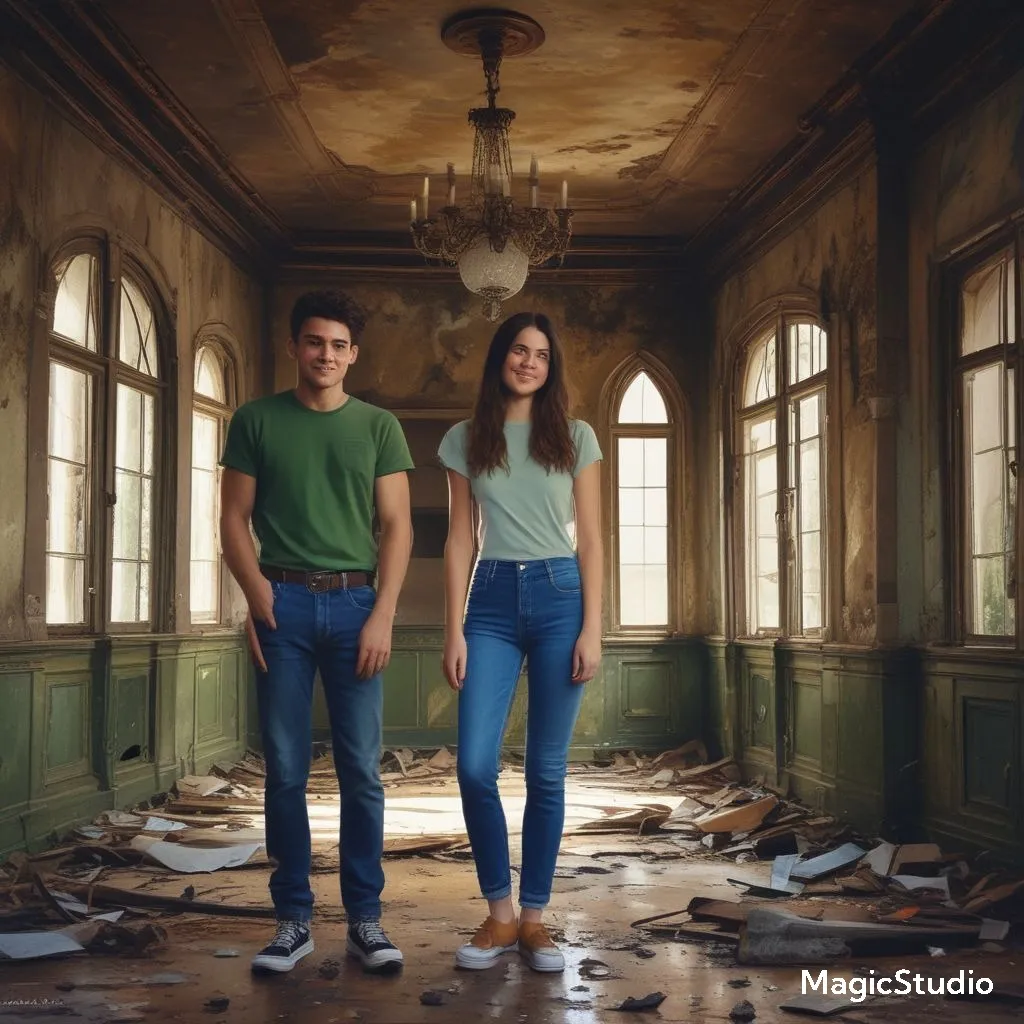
x=655 y=112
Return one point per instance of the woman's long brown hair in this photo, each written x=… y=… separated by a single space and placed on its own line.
x=551 y=443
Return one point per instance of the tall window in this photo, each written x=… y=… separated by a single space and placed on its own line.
x=210 y=414
x=642 y=432
x=101 y=468
x=782 y=427
x=988 y=349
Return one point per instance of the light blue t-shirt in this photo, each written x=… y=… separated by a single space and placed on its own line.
x=527 y=512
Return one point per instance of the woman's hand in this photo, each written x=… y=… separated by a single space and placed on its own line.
x=586 y=656
x=453 y=661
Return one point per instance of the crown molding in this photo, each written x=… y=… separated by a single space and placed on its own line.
x=590 y=259
x=75 y=56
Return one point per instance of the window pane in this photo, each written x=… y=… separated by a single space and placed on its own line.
x=631 y=506
x=65 y=591
x=68 y=488
x=209 y=378
x=655 y=461
x=129 y=429
x=655 y=545
x=631 y=462
x=66 y=518
x=124 y=597
x=70 y=405
x=642 y=402
x=655 y=506
x=807 y=351
x=127 y=515
x=810 y=579
x=993 y=610
x=203 y=585
x=759 y=382
x=632 y=597
x=74 y=312
x=655 y=595
x=205 y=432
x=986 y=296
x=133 y=507
x=989 y=416
x=631 y=545
x=762 y=554
x=137 y=342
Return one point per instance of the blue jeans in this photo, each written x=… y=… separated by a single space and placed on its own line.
x=531 y=609
x=321 y=631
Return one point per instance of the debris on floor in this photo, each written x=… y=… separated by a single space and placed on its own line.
x=805 y=888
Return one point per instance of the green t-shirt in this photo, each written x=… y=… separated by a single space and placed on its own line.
x=315 y=473
x=527 y=512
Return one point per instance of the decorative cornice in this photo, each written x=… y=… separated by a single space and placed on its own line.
x=73 y=53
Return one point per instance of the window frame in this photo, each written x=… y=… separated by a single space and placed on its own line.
x=106 y=371
x=612 y=394
x=959 y=270
x=222 y=413
x=782 y=315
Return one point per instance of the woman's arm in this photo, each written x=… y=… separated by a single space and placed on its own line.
x=458 y=562
x=586 y=492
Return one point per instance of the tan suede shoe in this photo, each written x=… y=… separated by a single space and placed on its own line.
x=538 y=950
x=491 y=940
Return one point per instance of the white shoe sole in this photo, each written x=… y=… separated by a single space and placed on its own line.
x=471 y=962
x=382 y=962
x=281 y=964
x=544 y=967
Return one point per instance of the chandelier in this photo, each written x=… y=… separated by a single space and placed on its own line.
x=491 y=240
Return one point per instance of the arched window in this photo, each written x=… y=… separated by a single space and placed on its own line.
x=211 y=410
x=781 y=415
x=102 y=457
x=643 y=435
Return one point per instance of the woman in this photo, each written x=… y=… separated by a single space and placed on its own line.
x=536 y=593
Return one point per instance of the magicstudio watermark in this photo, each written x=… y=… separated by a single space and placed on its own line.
x=902 y=983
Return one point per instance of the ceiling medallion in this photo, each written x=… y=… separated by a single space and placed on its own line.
x=491 y=240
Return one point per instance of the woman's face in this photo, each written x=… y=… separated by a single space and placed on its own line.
x=527 y=364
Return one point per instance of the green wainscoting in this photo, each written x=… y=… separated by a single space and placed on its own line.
x=648 y=696
x=834 y=726
x=97 y=723
x=972 y=748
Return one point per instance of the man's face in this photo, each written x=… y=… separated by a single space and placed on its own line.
x=323 y=352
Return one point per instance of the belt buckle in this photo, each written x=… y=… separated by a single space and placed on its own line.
x=318 y=582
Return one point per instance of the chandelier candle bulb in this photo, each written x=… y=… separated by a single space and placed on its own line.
x=426 y=196
x=533 y=197
x=412 y=210
x=565 y=195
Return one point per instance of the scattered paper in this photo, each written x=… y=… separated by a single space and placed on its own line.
x=154 y=824
x=993 y=931
x=912 y=882
x=781 y=870
x=34 y=945
x=200 y=785
x=828 y=862
x=192 y=859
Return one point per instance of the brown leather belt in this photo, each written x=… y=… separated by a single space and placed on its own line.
x=318 y=582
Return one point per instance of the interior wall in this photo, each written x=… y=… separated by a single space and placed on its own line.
x=830 y=260
x=92 y=722
x=55 y=183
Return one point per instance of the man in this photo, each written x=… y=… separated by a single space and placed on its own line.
x=310 y=467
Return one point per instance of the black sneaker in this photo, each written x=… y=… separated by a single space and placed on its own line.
x=288 y=946
x=368 y=943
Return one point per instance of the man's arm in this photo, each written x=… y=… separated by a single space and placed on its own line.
x=391 y=497
x=237 y=497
